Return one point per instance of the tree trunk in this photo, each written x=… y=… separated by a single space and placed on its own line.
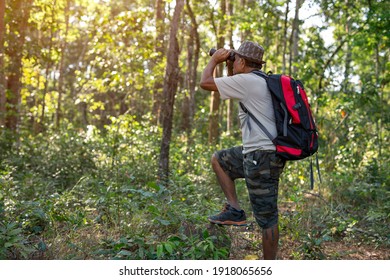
x=185 y=116
x=294 y=39
x=215 y=96
x=230 y=102
x=193 y=49
x=48 y=70
x=160 y=50
x=64 y=46
x=379 y=122
x=169 y=91
x=348 y=57
x=284 y=64
x=18 y=26
x=2 y=66
x=194 y=72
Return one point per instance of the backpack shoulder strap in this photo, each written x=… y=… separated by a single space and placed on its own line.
x=261 y=74
x=257 y=121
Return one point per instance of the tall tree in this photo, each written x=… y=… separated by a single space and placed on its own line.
x=61 y=67
x=2 y=66
x=193 y=50
x=284 y=38
x=294 y=39
x=215 y=96
x=170 y=87
x=348 y=50
x=18 y=25
x=230 y=102
x=51 y=20
x=160 y=52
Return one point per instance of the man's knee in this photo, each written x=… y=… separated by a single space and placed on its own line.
x=267 y=220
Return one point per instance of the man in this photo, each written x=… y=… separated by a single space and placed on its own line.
x=255 y=160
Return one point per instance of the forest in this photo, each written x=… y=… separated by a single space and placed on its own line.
x=106 y=136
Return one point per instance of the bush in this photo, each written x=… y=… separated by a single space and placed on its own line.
x=94 y=194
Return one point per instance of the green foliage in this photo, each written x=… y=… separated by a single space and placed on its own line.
x=113 y=207
x=311 y=248
x=173 y=248
x=56 y=165
x=13 y=244
x=78 y=182
x=87 y=186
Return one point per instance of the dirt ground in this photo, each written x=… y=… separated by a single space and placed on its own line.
x=246 y=244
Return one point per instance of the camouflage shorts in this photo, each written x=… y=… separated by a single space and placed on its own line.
x=261 y=170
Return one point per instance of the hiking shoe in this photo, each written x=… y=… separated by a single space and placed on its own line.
x=229 y=216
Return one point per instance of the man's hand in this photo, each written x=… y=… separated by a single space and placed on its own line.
x=207 y=81
x=221 y=55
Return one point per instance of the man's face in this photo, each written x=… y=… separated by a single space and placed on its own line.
x=237 y=65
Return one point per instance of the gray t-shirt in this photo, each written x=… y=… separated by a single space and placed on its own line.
x=252 y=91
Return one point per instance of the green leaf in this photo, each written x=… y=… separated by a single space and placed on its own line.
x=15 y=231
x=160 y=250
x=125 y=253
x=154 y=210
x=163 y=222
x=154 y=186
x=168 y=247
x=42 y=246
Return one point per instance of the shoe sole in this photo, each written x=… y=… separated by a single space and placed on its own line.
x=229 y=223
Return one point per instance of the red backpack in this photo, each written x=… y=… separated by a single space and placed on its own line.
x=297 y=135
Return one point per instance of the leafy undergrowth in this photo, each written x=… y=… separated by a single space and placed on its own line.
x=307 y=235
x=154 y=224
x=246 y=245
x=94 y=195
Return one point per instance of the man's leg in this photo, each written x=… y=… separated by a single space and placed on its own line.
x=262 y=170
x=227 y=165
x=227 y=184
x=270 y=242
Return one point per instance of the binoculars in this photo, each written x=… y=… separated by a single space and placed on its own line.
x=230 y=57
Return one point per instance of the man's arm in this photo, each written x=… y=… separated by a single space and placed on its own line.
x=207 y=81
